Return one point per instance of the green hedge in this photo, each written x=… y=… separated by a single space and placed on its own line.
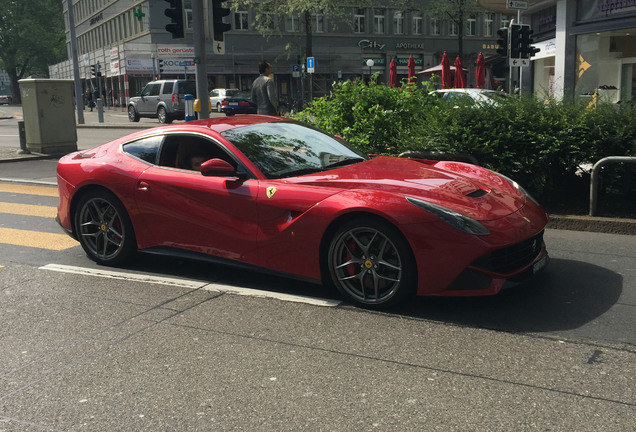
x=540 y=144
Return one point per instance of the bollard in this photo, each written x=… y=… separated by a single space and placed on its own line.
x=22 y=134
x=100 y=110
x=189 y=107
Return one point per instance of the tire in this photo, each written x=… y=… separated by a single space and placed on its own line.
x=218 y=107
x=371 y=263
x=133 y=115
x=163 y=116
x=104 y=229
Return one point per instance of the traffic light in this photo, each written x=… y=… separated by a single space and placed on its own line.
x=502 y=50
x=515 y=41
x=175 y=13
x=527 y=50
x=218 y=13
x=96 y=70
x=160 y=66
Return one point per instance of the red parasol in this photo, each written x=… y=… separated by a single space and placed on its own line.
x=446 y=74
x=460 y=81
x=411 y=66
x=392 y=73
x=481 y=75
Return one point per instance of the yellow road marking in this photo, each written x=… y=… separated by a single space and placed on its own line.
x=28 y=209
x=36 y=239
x=29 y=190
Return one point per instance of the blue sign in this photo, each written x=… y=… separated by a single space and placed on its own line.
x=295 y=68
x=310 y=64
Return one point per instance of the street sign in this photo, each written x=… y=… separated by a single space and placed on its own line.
x=218 y=46
x=516 y=4
x=518 y=62
x=296 y=71
x=310 y=64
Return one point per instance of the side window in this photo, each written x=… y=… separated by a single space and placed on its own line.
x=153 y=90
x=167 y=87
x=189 y=151
x=214 y=93
x=145 y=149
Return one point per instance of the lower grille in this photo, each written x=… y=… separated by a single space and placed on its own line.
x=512 y=257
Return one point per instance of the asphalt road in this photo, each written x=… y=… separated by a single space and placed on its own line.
x=175 y=345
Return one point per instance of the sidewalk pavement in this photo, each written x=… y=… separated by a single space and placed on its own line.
x=117 y=118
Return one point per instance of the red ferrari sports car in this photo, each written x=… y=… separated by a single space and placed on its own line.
x=280 y=195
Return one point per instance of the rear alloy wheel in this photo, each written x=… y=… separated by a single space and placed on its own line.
x=218 y=107
x=163 y=116
x=104 y=229
x=133 y=116
x=371 y=263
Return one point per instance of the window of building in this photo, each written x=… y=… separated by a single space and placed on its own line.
x=292 y=24
x=318 y=22
x=489 y=24
x=378 y=21
x=359 y=21
x=418 y=25
x=471 y=26
x=398 y=22
x=436 y=28
x=241 y=20
x=187 y=15
x=453 y=28
x=505 y=21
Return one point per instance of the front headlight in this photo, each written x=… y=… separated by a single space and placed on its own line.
x=454 y=219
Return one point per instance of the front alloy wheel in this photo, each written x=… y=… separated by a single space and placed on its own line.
x=104 y=229
x=133 y=116
x=371 y=263
x=163 y=116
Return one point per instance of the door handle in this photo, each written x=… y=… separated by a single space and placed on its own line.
x=143 y=186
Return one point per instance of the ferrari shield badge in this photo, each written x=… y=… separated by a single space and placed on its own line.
x=270 y=191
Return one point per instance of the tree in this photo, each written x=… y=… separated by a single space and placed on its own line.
x=456 y=11
x=302 y=9
x=31 y=38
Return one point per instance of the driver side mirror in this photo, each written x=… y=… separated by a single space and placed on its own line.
x=220 y=168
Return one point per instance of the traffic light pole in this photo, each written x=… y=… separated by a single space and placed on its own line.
x=200 y=58
x=79 y=94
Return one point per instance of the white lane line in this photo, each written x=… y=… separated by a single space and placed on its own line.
x=192 y=284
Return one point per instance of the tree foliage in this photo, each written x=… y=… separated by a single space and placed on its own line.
x=542 y=146
x=302 y=9
x=31 y=38
x=455 y=11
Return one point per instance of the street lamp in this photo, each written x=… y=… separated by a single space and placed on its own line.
x=370 y=63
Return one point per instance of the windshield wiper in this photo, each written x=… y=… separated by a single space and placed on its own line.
x=344 y=162
x=298 y=172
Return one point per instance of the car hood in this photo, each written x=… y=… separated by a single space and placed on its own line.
x=475 y=191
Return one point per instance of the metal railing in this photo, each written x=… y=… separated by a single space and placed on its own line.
x=596 y=169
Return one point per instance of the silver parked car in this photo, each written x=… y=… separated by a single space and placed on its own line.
x=161 y=99
x=218 y=94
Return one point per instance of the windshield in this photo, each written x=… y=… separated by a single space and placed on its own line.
x=287 y=149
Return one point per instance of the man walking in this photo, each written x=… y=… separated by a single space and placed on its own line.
x=264 y=93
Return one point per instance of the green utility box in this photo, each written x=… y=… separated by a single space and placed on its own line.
x=49 y=115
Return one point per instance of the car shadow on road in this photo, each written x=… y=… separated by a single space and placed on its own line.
x=567 y=295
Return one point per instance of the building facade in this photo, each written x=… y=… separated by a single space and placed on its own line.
x=128 y=40
x=588 y=47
